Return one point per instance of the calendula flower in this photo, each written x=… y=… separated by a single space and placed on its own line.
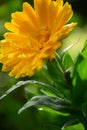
x=34 y=35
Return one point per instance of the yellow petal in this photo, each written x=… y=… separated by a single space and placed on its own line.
x=53 y=8
x=16 y=69
x=25 y=25
x=23 y=40
x=30 y=13
x=64 y=15
x=41 y=8
x=12 y=27
x=63 y=32
x=67 y=29
x=60 y=2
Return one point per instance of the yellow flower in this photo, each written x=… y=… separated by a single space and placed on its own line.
x=34 y=35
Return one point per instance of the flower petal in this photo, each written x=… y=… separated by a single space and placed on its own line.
x=60 y=2
x=41 y=8
x=12 y=27
x=23 y=40
x=53 y=8
x=63 y=32
x=30 y=13
x=64 y=15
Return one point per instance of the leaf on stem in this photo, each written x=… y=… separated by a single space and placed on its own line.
x=21 y=83
x=54 y=103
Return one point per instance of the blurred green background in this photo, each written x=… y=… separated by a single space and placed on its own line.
x=32 y=119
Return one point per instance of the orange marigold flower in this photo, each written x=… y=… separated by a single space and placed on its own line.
x=34 y=35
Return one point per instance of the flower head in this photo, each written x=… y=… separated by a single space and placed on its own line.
x=35 y=34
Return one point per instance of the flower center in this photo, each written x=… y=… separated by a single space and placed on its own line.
x=43 y=36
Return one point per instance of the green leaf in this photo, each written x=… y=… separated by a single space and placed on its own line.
x=85 y=46
x=70 y=122
x=79 y=78
x=75 y=127
x=22 y=83
x=55 y=71
x=58 y=76
x=67 y=61
x=57 y=104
